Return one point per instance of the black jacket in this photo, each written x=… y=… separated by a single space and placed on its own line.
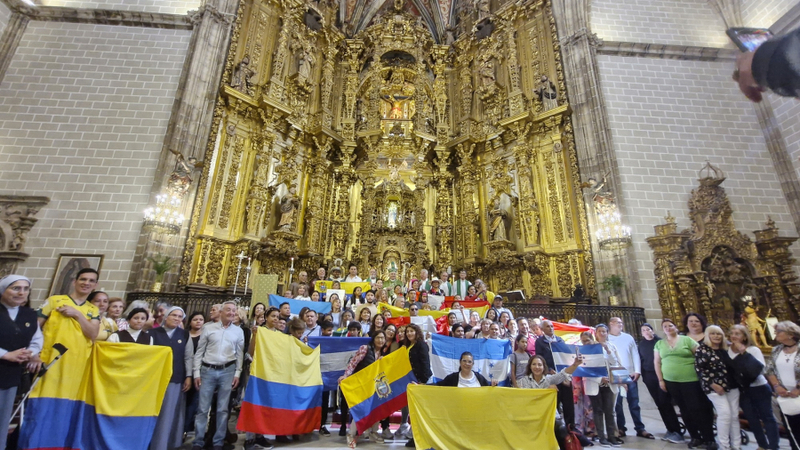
x=420 y=361
x=543 y=349
x=452 y=380
x=775 y=65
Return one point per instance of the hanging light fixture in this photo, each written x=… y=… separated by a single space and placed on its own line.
x=611 y=234
x=164 y=216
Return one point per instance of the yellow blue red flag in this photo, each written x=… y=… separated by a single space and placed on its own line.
x=284 y=392
x=116 y=406
x=379 y=389
x=520 y=418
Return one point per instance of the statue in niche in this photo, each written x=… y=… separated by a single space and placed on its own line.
x=181 y=177
x=497 y=218
x=486 y=71
x=242 y=78
x=483 y=9
x=305 y=65
x=289 y=204
x=449 y=35
x=397 y=94
x=547 y=93
x=754 y=324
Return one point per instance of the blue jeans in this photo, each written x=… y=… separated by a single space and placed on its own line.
x=220 y=380
x=756 y=403
x=633 y=406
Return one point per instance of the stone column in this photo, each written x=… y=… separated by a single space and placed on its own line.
x=10 y=40
x=192 y=116
x=596 y=154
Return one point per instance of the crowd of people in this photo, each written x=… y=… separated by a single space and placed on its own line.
x=710 y=374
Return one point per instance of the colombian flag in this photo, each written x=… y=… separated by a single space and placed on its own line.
x=379 y=389
x=284 y=392
x=116 y=406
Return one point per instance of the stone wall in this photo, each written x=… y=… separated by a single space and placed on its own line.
x=667 y=117
x=159 y=6
x=763 y=13
x=83 y=114
x=678 y=22
x=5 y=13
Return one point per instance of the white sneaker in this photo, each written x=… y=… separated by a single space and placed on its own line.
x=400 y=434
x=375 y=437
x=387 y=434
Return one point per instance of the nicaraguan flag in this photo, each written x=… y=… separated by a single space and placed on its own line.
x=297 y=305
x=490 y=355
x=335 y=353
x=594 y=363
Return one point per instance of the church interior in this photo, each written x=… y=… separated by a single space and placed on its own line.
x=551 y=147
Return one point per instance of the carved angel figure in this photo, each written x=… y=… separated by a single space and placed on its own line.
x=181 y=177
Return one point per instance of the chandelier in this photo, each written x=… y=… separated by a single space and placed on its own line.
x=164 y=216
x=611 y=234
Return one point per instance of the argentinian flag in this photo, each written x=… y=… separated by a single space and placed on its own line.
x=594 y=363
x=491 y=357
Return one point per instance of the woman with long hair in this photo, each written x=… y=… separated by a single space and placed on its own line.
x=258 y=311
x=646 y=348
x=364 y=356
x=536 y=377
x=466 y=377
x=418 y=357
x=194 y=325
x=336 y=309
x=711 y=361
x=674 y=364
x=695 y=326
x=355 y=297
x=519 y=359
x=378 y=322
x=755 y=400
x=783 y=373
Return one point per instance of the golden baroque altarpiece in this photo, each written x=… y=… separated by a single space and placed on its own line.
x=715 y=270
x=388 y=142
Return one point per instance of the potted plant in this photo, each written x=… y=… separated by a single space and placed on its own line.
x=612 y=284
x=161 y=265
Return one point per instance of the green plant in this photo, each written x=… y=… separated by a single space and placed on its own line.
x=161 y=264
x=612 y=284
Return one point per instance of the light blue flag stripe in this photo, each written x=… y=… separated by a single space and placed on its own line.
x=335 y=352
x=297 y=305
x=491 y=357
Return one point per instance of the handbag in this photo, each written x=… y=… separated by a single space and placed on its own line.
x=620 y=376
x=572 y=441
x=789 y=406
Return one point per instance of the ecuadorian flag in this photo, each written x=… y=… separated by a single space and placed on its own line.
x=116 y=407
x=284 y=392
x=379 y=389
x=594 y=363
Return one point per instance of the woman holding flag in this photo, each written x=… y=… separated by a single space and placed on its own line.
x=366 y=355
x=603 y=393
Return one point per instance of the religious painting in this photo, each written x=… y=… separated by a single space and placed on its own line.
x=68 y=268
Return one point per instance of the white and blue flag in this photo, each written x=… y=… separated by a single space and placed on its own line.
x=335 y=352
x=594 y=363
x=297 y=305
x=490 y=355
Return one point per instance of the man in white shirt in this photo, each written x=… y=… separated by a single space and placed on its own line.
x=444 y=285
x=424 y=282
x=217 y=366
x=352 y=276
x=461 y=285
x=628 y=358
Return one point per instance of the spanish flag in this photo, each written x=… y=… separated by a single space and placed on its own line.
x=379 y=389
x=116 y=406
x=284 y=392
x=520 y=418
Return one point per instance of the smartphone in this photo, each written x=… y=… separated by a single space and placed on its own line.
x=748 y=39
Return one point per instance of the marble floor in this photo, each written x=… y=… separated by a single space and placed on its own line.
x=649 y=416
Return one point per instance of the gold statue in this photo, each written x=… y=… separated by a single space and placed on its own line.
x=753 y=323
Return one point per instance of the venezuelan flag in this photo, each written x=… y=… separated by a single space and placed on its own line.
x=116 y=407
x=284 y=392
x=379 y=389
